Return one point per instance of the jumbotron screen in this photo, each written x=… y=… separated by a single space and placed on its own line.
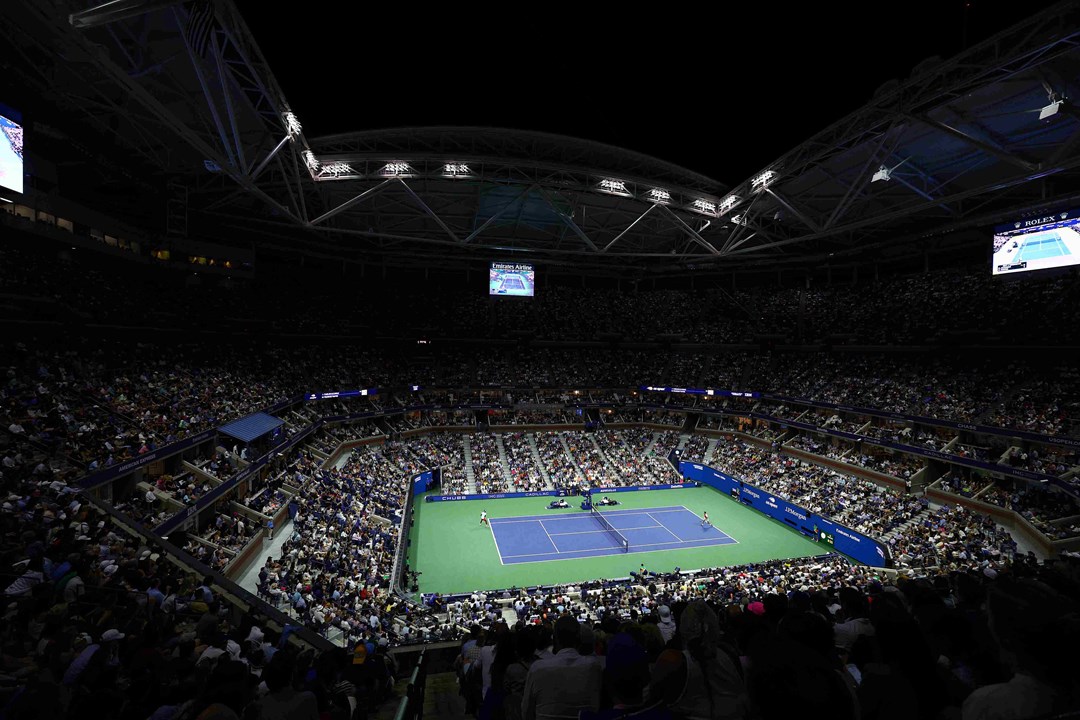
x=11 y=151
x=515 y=279
x=1040 y=243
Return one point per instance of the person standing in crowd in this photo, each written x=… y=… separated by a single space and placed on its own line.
x=702 y=680
x=565 y=683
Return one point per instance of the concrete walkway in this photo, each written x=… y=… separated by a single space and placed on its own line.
x=271 y=548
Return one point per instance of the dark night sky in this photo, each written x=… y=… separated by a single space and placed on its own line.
x=720 y=91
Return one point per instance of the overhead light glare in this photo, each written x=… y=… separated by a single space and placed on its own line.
x=762 y=180
x=311 y=161
x=704 y=205
x=728 y=203
x=456 y=169
x=1051 y=110
x=659 y=195
x=292 y=124
x=615 y=186
x=396 y=168
x=337 y=169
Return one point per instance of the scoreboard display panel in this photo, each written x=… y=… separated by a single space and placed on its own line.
x=11 y=150
x=1040 y=243
x=512 y=279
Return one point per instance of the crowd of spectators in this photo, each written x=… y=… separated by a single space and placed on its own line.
x=586 y=454
x=697 y=449
x=267 y=501
x=857 y=503
x=333 y=573
x=952 y=537
x=230 y=531
x=489 y=475
x=964 y=484
x=525 y=473
x=1044 y=507
x=755 y=641
x=561 y=469
x=534 y=416
x=99 y=623
x=631 y=465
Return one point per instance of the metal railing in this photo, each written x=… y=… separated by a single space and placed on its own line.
x=411 y=706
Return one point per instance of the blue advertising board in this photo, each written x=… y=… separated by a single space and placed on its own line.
x=851 y=543
x=856 y=545
x=777 y=508
x=709 y=476
x=420 y=482
x=639 y=488
x=700 y=391
x=492 y=496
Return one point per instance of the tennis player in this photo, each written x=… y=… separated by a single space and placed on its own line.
x=705 y=518
x=483 y=517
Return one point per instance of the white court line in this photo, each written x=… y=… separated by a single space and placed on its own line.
x=579 y=514
x=666 y=529
x=729 y=537
x=557 y=550
x=589 y=550
x=496 y=543
x=692 y=545
x=590 y=532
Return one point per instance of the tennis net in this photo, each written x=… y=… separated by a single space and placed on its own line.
x=619 y=537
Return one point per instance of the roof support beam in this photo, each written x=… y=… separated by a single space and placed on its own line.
x=989 y=149
x=884 y=218
x=861 y=180
x=793 y=210
x=1066 y=147
x=569 y=221
x=628 y=227
x=429 y=211
x=741 y=226
x=499 y=214
x=693 y=233
x=223 y=79
x=115 y=11
x=370 y=192
x=210 y=104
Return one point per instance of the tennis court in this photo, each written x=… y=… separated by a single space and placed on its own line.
x=512 y=282
x=455 y=553
x=540 y=538
x=1042 y=246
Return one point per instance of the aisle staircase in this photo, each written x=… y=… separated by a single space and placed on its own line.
x=470 y=477
x=539 y=461
x=570 y=455
x=711 y=450
x=503 y=461
x=925 y=513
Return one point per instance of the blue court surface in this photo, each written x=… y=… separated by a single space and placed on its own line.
x=539 y=538
x=1043 y=245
